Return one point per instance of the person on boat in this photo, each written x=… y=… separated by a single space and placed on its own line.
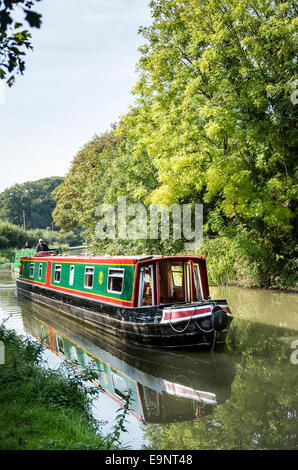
x=27 y=245
x=42 y=246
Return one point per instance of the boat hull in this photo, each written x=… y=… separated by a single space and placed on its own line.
x=134 y=325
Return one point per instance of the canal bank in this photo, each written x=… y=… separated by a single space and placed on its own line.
x=43 y=408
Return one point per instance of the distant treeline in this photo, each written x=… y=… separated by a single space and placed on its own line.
x=13 y=237
x=30 y=204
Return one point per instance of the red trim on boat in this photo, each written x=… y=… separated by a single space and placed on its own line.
x=51 y=338
x=135 y=287
x=87 y=260
x=107 y=300
x=157 y=282
x=111 y=260
x=204 y=279
x=170 y=315
x=49 y=273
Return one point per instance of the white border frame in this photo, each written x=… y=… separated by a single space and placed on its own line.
x=57 y=266
x=89 y=267
x=31 y=275
x=122 y=270
x=72 y=271
x=40 y=267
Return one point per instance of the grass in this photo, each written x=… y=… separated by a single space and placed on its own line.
x=43 y=408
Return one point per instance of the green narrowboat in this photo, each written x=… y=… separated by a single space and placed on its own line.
x=159 y=301
x=27 y=253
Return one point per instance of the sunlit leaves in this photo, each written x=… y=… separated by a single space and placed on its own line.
x=213 y=122
x=215 y=78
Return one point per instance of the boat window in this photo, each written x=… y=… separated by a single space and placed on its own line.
x=71 y=275
x=57 y=273
x=120 y=386
x=115 y=280
x=177 y=275
x=40 y=271
x=146 y=290
x=198 y=285
x=89 y=275
x=187 y=282
x=74 y=355
x=153 y=402
x=43 y=333
x=31 y=270
x=60 y=345
x=92 y=366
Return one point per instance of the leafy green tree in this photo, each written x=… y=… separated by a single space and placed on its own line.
x=101 y=172
x=11 y=236
x=216 y=114
x=213 y=123
x=86 y=183
x=15 y=39
x=30 y=202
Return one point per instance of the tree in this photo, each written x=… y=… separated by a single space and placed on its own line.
x=86 y=184
x=216 y=115
x=213 y=123
x=15 y=39
x=30 y=204
x=100 y=172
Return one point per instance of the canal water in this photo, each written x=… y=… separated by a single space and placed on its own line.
x=244 y=397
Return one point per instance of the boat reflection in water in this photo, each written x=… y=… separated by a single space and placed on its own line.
x=164 y=387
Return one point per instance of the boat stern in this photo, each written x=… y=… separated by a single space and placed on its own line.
x=215 y=314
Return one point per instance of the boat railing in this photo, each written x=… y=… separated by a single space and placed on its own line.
x=41 y=254
x=51 y=252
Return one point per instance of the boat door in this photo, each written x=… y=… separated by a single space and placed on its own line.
x=49 y=273
x=146 y=286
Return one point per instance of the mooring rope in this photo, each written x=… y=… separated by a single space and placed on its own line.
x=202 y=329
x=189 y=320
x=181 y=331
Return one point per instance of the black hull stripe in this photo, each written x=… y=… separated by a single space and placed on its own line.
x=112 y=322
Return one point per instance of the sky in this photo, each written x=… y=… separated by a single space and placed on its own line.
x=78 y=81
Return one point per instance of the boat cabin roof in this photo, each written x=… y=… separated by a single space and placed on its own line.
x=146 y=259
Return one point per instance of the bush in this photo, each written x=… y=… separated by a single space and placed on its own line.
x=14 y=237
x=43 y=408
x=220 y=258
x=11 y=235
x=228 y=264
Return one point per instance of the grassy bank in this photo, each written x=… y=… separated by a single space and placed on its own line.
x=42 y=408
